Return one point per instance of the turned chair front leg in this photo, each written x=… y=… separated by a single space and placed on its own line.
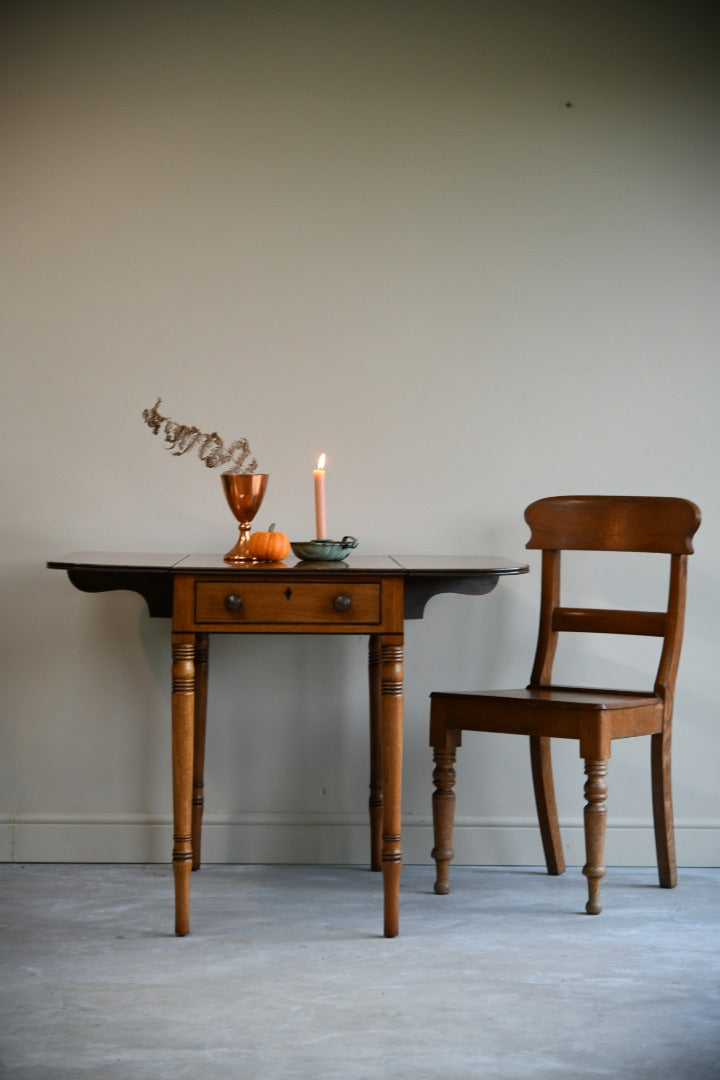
x=443 y=805
x=595 y=816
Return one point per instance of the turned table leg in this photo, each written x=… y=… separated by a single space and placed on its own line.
x=200 y=720
x=183 y=720
x=375 y=801
x=391 y=698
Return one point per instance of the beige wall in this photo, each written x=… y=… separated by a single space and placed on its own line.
x=471 y=250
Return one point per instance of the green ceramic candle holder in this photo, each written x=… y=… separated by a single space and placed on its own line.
x=324 y=550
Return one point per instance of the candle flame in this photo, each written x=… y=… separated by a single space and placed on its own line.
x=321 y=461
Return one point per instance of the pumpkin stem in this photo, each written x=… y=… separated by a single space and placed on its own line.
x=272 y=527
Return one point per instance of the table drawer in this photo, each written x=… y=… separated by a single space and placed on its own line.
x=310 y=603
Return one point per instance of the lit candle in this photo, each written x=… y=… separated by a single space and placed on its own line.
x=319 y=479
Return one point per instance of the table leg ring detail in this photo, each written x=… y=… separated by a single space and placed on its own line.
x=390 y=688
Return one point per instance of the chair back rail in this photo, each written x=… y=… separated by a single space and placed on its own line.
x=604 y=621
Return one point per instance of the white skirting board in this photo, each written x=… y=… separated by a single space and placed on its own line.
x=331 y=839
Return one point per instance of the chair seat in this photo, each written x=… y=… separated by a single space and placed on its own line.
x=562 y=697
x=562 y=712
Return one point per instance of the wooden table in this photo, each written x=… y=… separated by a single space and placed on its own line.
x=203 y=595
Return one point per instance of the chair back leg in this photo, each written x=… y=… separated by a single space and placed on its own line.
x=663 y=809
x=541 y=761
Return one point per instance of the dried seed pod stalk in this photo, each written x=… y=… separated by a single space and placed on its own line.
x=180 y=438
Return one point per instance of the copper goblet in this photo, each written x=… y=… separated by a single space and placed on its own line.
x=244 y=493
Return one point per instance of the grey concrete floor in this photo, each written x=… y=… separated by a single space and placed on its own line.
x=286 y=975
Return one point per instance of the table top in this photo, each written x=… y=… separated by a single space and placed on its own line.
x=174 y=563
x=152 y=575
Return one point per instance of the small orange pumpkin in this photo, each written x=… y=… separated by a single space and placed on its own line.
x=270 y=546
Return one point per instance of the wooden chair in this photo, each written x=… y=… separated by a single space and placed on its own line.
x=594 y=717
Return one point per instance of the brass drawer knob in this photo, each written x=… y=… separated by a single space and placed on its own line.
x=342 y=602
x=233 y=602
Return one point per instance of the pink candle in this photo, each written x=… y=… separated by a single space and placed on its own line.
x=319 y=479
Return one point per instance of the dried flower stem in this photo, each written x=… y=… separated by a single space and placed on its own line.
x=211 y=449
